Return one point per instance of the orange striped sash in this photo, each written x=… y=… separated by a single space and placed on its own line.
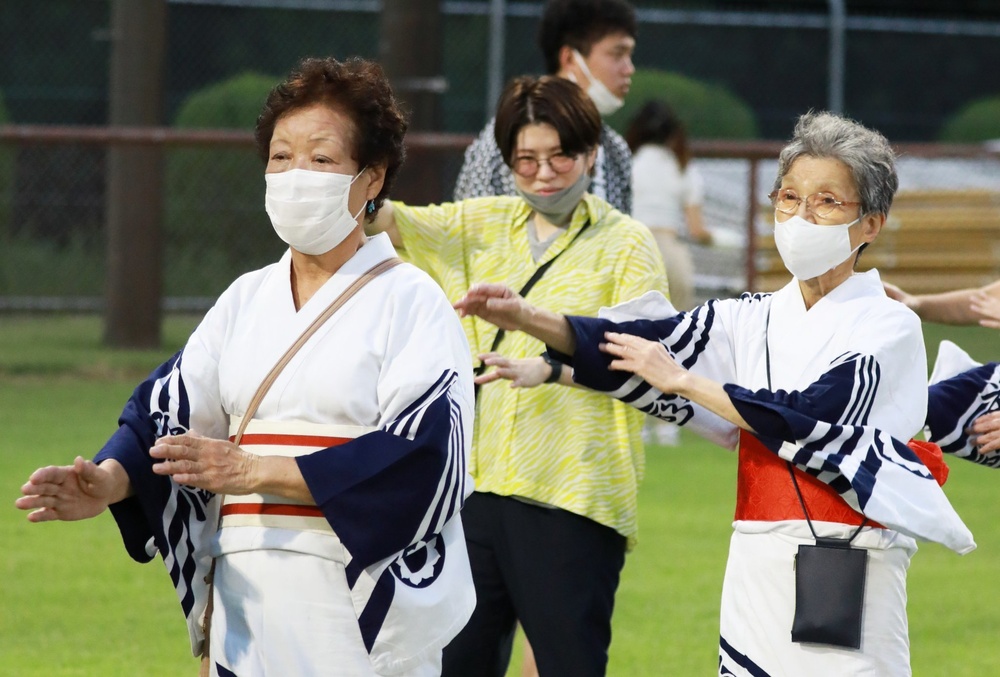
x=282 y=438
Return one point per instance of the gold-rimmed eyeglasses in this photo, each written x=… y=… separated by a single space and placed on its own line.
x=528 y=165
x=821 y=204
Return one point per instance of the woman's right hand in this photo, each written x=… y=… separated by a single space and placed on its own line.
x=522 y=373
x=498 y=304
x=987 y=306
x=72 y=492
x=985 y=432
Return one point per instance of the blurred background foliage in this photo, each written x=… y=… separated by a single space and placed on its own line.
x=215 y=195
x=710 y=111
x=976 y=121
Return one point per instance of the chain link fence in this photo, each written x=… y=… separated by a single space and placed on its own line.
x=53 y=202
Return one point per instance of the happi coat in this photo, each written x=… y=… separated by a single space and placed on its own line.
x=838 y=390
x=389 y=374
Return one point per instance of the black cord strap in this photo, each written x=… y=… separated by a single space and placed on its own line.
x=791 y=470
x=535 y=277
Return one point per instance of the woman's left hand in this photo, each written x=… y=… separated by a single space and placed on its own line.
x=522 y=373
x=985 y=433
x=648 y=359
x=216 y=465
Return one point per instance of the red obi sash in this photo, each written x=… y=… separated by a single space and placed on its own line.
x=764 y=490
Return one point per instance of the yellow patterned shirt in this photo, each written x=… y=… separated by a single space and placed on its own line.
x=575 y=449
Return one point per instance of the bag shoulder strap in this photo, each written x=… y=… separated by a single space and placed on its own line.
x=336 y=305
x=262 y=389
x=791 y=469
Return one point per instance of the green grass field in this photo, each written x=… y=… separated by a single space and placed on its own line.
x=73 y=603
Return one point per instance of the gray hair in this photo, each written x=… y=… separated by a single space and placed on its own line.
x=866 y=153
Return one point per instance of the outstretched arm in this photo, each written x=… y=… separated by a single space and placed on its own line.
x=651 y=361
x=964 y=306
x=500 y=305
x=222 y=467
x=522 y=373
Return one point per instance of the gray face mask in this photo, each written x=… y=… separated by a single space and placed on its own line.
x=558 y=207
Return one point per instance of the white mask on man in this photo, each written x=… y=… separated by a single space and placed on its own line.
x=808 y=250
x=607 y=103
x=309 y=210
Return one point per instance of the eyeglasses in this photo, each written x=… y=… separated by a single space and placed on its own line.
x=527 y=165
x=820 y=204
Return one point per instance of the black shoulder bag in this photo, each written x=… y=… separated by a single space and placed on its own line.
x=829 y=587
x=535 y=277
x=829 y=579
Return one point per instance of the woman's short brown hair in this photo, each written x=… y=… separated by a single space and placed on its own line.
x=530 y=100
x=356 y=87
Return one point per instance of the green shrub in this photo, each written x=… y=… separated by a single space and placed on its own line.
x=215 y=219
x=975 y=122
x=708 y=111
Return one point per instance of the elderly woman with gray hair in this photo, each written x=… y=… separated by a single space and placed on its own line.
x=819 y=385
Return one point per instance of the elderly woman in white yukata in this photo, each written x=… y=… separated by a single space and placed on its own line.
x=333 y=526
x=820 y=384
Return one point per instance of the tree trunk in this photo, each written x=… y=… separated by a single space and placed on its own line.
x=134 y=195
x=410 y=52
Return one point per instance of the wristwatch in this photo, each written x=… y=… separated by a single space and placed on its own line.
x=556 y=367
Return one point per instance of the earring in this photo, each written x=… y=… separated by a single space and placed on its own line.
x=371 y=207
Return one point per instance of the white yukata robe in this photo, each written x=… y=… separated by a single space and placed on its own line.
x=837 y=390
x=390 y=374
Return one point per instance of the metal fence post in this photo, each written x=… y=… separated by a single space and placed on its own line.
x=498 y=36
x=838 y=27
x=751 y=250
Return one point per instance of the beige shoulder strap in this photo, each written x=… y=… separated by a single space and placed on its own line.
x=265 y=385
x=338 y=302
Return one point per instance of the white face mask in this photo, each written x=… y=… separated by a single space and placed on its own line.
x=808 y=250
x=309 y=209
x=606 y=102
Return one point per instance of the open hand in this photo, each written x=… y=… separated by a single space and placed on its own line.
x=496 y=303
x=68 y=492
x=218 y=466
x=522 y=373
x=987 y=306
x=648 y=359
x=984 y=433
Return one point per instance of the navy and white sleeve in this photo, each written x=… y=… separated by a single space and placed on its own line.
x=844 y=395
x=397 y=486
x=158 y=406
x=955 y=403
x=696 y=339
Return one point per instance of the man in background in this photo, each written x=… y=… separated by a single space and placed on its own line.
x=589 y=42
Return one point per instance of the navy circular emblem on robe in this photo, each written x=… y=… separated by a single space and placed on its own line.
x=421 y=563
